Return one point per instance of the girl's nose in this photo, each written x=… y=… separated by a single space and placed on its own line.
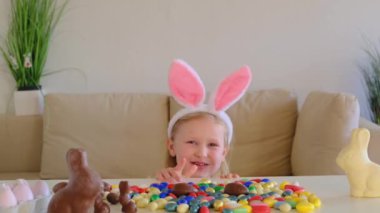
x=202 y=151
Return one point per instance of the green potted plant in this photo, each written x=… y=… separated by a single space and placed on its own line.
x=26 y=45
x=371 y=75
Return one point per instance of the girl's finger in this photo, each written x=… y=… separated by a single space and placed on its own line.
x=165 y=174
x=181 y=165
x=175 y=175
x=191 y=171
x=159 y=176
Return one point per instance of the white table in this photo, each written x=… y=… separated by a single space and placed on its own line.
x=333 y=191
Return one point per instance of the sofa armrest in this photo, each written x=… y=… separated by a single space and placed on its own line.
x=20 y=144
x=374 y=143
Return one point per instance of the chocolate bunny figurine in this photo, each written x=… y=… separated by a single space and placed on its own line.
x=100 y=206
x=127 y=205
x=83 y=188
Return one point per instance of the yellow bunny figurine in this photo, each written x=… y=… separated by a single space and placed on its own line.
x=363 y=174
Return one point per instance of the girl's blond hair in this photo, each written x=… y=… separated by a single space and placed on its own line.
x=171 y=161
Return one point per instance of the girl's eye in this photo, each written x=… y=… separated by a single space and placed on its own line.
x=213 y=144
x=190 y=142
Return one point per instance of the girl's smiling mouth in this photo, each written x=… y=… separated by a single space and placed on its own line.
x=199 y=164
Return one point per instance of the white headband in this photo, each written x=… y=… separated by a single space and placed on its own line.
x=188 y=90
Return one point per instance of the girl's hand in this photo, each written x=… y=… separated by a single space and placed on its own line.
x=176 y=174
x=230 y=176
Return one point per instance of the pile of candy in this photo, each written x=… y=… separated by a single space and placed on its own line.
x=244 y=196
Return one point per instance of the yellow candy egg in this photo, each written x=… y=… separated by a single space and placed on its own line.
x=305 y=193
x=304 y=207
x=205 y=180
x=168 y=198
x=142 y=203
x=259 y=186
x=283 y=184
x=225 y=195
x=269 y=201
x=267 y=185
x=115 y=187
x=278 y=191
x=161 y=203
x=218 y=204
x=153 y=206
x=312 y=197
x=182 y=208
x=210 y=190
x=225 y=200
x=137 y=197
x=248 y=207
x=243 y=202
x=298 y=199
x=285 y=207
x=316 y=202
x=154 y=190
x=260 y=191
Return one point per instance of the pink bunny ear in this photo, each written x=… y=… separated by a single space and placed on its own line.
x=185 y=84
x=231 y=89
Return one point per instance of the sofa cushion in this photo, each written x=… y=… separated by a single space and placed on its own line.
x=20 y=144
x=123 y=134
x=324 y=126
x=264 y=123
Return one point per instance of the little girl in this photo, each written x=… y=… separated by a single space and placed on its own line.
x=199 y=135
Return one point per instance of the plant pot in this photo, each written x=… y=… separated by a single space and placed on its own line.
x=29 y=102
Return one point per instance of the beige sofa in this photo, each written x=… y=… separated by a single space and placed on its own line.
x=124 y=134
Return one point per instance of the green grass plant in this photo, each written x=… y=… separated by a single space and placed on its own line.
x=371 y=75
x=26 y=45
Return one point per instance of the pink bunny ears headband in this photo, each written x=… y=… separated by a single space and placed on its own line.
x=188 y=90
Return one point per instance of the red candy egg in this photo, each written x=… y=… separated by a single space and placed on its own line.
x=260 y=208
x=294 y=188
x=256 y=197
x=204 y=209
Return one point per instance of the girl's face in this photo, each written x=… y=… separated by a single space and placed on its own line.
x=201 y=142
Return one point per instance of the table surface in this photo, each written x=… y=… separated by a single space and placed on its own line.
x=332 y=190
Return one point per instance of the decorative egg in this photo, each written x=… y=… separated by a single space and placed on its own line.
x=22 y=191
x=40 y=189
x=7 y=198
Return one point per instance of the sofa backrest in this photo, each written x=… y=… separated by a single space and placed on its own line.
x=123 y=134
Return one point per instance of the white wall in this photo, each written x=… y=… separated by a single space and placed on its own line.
x=128 y=45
